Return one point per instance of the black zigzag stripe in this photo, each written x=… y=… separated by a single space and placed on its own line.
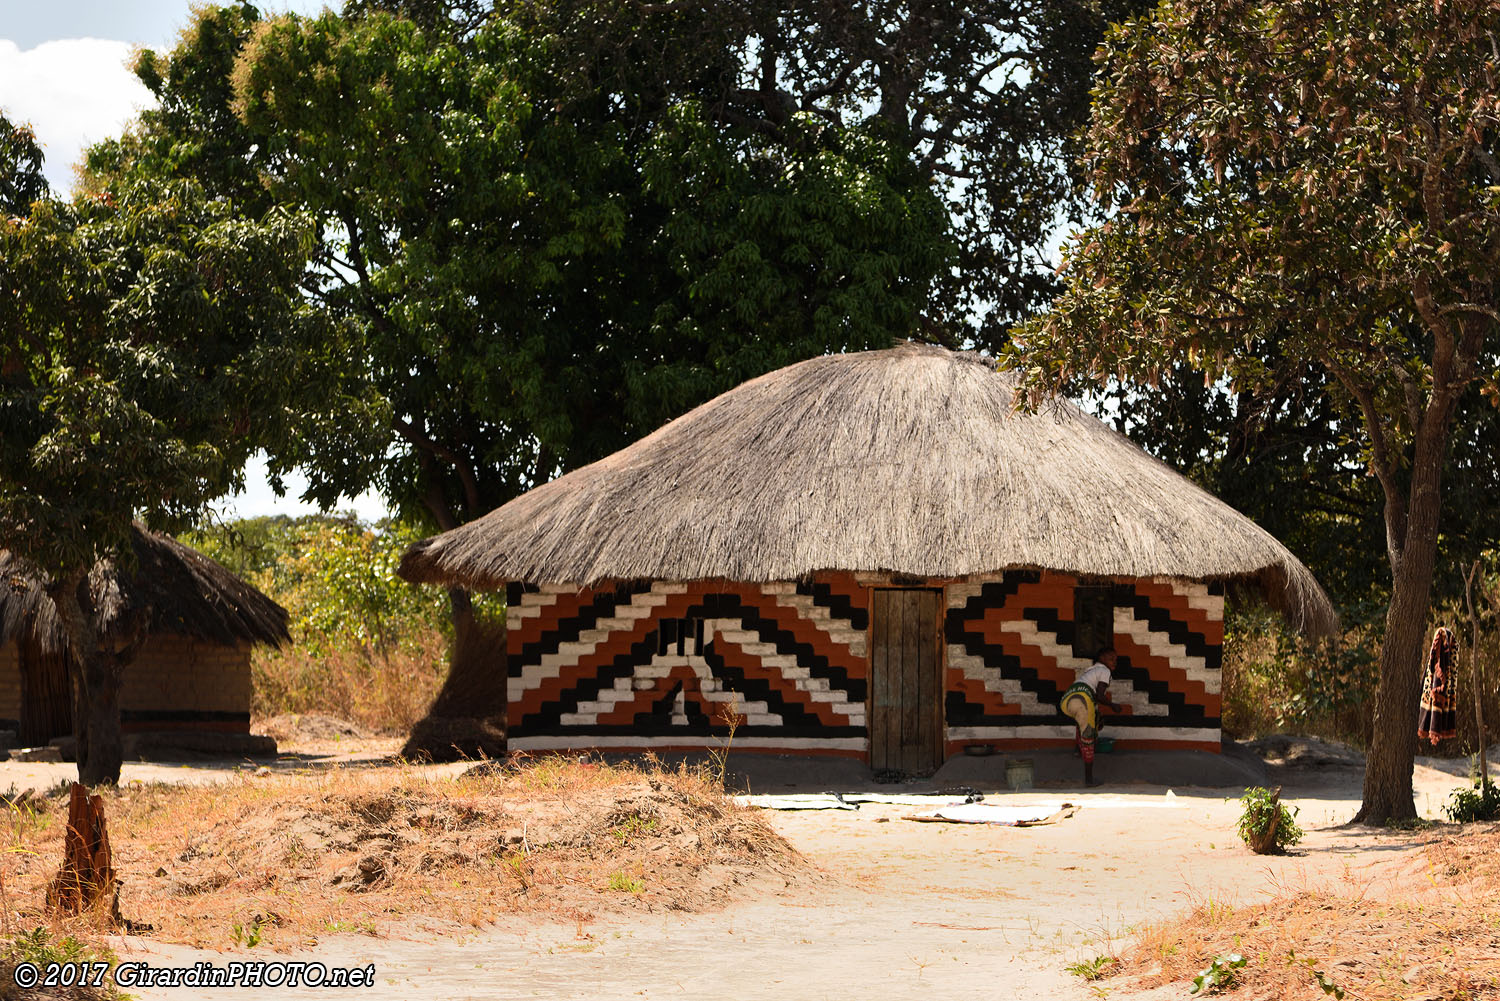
x=729 y=606
x=549 y=719
x=1180 y=712
x=960 y=711
x=570 y=627
x=839 y=605
x=1160 y=621
x=796 y=720
x=666 y=731
x=785 y=641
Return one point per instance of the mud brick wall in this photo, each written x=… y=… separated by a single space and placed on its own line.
x=10 y=682
x=175 y=682
x=1011 y=655
x=662 y=664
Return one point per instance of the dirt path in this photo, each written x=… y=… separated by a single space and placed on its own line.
x=907 y=906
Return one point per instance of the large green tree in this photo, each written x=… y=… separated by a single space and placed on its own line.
x=148 y=346
x=560 y=224
x=1324 y=176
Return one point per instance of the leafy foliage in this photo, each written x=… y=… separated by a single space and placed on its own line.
x=151 y=340
x=1219 y=974
x=336 y=576
x=21 y=179
x=1479 y=803
x=549 y=262
x=1303 y=682
x=367 y=647
x=1260 y=809
x=1318 y=179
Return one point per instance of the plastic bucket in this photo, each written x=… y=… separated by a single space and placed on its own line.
x=1019 y=774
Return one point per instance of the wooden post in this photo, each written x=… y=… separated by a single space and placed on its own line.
x=1475 y=671
x=87 y=877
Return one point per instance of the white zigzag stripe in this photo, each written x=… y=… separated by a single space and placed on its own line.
x=643 y=677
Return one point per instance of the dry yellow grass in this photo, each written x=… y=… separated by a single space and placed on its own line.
x=1434 y=936
x=381 y=692
x=280 y=861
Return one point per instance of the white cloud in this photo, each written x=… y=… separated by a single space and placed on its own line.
x=72 y=92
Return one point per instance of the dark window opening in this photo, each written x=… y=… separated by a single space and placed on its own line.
x=1093 y=619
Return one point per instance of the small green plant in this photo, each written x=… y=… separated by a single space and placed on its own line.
x=1323 y=980
x=1268 y=826
x=39 y=948
x=248 y=935
x=626 y=883
x=1219 y=973
x=632 y=827
x=1092 y=969
x=1466 y=806
x=519 y=864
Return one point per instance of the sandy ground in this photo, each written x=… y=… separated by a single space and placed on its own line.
x=911 y=907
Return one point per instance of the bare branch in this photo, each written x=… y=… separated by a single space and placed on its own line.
x=465 y=472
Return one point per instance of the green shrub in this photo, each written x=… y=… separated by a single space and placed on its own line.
x=1261 y=807
x=1466 y=806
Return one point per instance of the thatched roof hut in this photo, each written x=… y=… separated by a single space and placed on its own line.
x=912 y=460
x=869 y=554
x=192 y=622
x=177 y=589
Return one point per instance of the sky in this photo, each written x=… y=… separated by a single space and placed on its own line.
x=63 y=70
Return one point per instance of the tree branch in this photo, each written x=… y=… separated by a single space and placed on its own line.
x=465 y=472
x=1381 y=462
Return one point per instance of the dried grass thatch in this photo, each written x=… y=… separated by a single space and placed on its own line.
x=912 y=460
x=176 y=588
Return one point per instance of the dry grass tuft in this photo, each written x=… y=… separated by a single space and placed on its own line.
x=1435 y=937
x=280 y=861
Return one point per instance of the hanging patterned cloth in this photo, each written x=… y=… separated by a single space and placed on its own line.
x=1439 y=719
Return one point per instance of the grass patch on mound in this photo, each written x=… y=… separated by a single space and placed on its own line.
x=1435 y=936
x=279 y=861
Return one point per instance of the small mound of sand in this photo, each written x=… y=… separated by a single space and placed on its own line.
x=345 y=850
x=309 y=728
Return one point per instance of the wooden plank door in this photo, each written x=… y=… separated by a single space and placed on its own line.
x=905 y=713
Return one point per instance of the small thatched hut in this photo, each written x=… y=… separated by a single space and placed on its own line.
x=872 y=555
x=192 y=670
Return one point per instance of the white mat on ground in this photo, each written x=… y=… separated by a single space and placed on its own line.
x=847 y=800
x=1005 y=816
x=797 y=801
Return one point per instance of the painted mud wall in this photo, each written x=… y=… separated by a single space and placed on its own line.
x=663 y=664
x=173 y=683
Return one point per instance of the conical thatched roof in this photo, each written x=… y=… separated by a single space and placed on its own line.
x=911 y=460
x=177 y=588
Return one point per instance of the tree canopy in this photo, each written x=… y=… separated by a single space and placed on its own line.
x=1321 y=177
x=148 y=346
x=21 y=178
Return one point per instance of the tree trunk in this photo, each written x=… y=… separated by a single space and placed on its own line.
x=1388 y=768
x=467 y=719
x=106 y=742
x=1393 y=747
x=96 y=688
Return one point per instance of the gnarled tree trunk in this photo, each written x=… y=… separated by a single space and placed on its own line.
x=1412 y=538
x=467 y=719
x=96 y=688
